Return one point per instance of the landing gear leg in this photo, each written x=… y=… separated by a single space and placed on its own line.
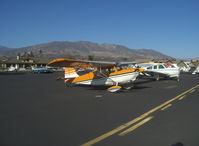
x=157 y=77
x=178 y=79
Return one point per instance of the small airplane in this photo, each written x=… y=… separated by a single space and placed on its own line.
x=41 y=69
x=12 y=69
x=196 y=71
x=159 y=70
x=97 y=73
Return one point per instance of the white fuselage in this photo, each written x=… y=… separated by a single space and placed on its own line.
x=170 y=71
x=111 y=80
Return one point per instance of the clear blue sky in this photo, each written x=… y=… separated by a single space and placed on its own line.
x=169 y=26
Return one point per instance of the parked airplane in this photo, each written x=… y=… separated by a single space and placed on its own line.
x=196 y=71
x=163 y=70
x=12 y=69
x=97 y=73
x=186 y=66
x=41 y=69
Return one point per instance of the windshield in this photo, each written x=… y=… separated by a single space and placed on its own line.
x=169 y=65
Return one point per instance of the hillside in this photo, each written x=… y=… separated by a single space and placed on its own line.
x=4 y=49
x=83 y=49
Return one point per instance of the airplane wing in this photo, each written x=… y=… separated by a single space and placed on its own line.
x=80 y=63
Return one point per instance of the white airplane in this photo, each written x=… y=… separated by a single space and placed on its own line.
x=100 y=73
x=12 y=69
x=160 y=70
x=196 y=70
x=185 y=66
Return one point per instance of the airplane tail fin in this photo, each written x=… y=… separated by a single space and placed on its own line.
x=70 y=73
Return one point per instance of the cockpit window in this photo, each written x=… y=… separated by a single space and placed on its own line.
x=169 y=65
x=155 y=67
x=150 y=67
x=161 y=67
x=103 y=72
x=119 y=68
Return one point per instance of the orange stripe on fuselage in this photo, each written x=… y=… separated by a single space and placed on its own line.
x=90 y=75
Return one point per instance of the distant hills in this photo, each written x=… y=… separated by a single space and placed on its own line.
x=4 y=49
x=83 y=49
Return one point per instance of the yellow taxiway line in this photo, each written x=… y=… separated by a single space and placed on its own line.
x=166 y=107
x=135 y=126
x=120 y=128
x=182 y=97
x=192 y=91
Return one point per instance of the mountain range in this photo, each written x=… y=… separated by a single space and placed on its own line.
x=83 y=49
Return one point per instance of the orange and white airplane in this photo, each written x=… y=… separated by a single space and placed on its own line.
x=97 y=73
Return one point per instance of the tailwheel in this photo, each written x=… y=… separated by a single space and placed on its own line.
x=114 y=88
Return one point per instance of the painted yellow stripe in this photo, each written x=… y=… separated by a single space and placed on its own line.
x=102 y=136
x=106 y=135
x=182 y=97
x=167 y=106
x=192 y=91
x=135 y=126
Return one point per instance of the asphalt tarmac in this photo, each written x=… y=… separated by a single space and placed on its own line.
x=37 y=110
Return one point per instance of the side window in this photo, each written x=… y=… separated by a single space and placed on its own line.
x=111 y=70
x=97 y=73
x=149 y=67
x=155 y=67
x=161 y=67
x=119 y=68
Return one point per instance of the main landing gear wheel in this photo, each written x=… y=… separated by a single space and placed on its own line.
x=114 y=88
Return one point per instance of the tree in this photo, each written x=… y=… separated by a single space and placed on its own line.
x=91 y=57
x=40 y=52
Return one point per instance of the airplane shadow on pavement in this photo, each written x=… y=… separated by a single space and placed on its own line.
x=177 y=144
